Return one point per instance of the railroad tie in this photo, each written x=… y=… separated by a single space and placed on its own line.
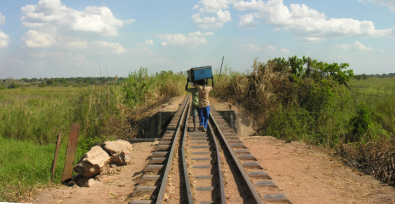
x=276 y=198
x=153 y=167
x=149 y=178
x=259 y=174
x=157 y=160
x=159 y=153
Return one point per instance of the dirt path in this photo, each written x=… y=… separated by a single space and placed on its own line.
x=309 y=175
x=306 y=175
x=114 y=188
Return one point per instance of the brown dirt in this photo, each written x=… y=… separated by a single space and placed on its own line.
x=172 y=105
x=307 y=174
x=114 y=188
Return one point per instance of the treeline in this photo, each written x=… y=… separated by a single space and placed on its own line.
x=42 y=82
x=365 y=76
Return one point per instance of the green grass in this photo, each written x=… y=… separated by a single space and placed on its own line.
x=26 y=166
x=378 y=94
x=37 y=114
x=31 y=117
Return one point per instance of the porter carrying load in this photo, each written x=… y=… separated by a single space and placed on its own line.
x=199 y=73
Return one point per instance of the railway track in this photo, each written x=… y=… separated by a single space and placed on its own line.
x=259 y=182
x=152 y=184
x=201 y=164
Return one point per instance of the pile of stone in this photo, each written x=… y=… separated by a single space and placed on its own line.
x=98 y=158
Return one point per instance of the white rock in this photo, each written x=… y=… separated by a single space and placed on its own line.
x=92 y=162
x=122 y=158
x=116 y=147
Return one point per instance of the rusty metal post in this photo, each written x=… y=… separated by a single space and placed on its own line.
x=70 y=153
x=55 y=159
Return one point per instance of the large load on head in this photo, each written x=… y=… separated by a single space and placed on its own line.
x=199 y=73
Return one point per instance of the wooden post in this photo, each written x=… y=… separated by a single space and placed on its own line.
x=70 y=153
x=221 y=65
x=55 y=159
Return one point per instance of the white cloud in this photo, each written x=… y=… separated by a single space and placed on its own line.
x=79 y=60
x=195 y=7
x=162 y=61
x=53 y=14
x=110 y=47
x=80 y=44
x=217 y=7
x=285 y=51
x=343 y=46
x=213 y=6
x=270 y=48
x=356 y=45
x=147 y=42
x=198 y=33
x=253 y=47
x=212 y=22
x=389 y=3
x=362 y=47
x=142 y=51
x=13 y=61
x=182 y=40
x=39 y=66
x=383 y=51
x=57 y=55
x=308 y=24
x=247 y=21
x=2 y=19
x=310 y=39
x=36 y=39
x=130 y=21
x=4 y=40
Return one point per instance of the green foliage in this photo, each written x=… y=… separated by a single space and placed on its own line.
x=2 y=88
x=136 y=86
x=298 y=99
x=14 y=85
x=360 y=123
x=141 y=88
x=43 y=84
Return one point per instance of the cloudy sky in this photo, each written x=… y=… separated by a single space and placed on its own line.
x=53 y=38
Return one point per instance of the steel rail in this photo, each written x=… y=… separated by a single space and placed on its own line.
x=184 y=162
x=169 y=161
x=220 y=176
x=238 y=164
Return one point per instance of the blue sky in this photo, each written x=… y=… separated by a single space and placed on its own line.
x=53 y=38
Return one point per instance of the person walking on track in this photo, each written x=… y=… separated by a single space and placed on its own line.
x=195 y=102
x=204 y=104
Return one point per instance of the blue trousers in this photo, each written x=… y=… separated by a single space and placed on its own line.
x=204 y=114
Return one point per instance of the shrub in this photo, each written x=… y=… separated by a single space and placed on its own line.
x=14 y=85
x=360 y=123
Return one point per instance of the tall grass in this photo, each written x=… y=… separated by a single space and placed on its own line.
x=30 y=119
x=321 y=105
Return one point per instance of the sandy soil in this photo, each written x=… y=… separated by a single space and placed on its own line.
x=309 y=175
x=114 y=188
x=172 y=105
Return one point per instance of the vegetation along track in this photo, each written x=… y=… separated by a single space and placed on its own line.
x=201 y=164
